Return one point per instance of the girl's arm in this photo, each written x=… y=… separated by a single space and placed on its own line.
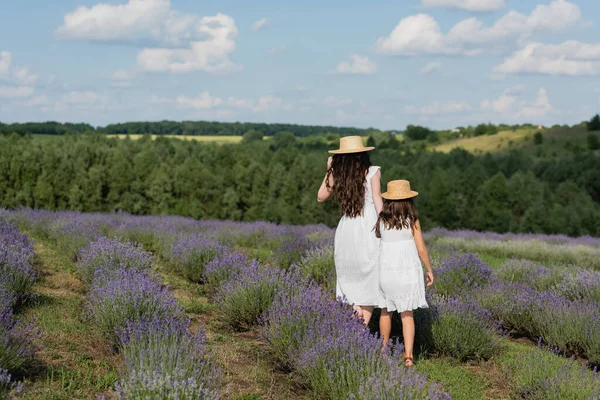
x=376 y=189
x=324 y=191
x=420 y=242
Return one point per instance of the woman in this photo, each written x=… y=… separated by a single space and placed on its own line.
x=355 y=183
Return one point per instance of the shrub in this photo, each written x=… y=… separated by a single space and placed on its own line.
x=462 y=329
x=247 y=295
x=291 y=250
x=583 y=285
x=319 y=264
x=125 y=296
x=164 y=360
x=534 y=275
x=17 y=273
x=190 y=254
x=542 y=375
x=224 y=267
x=461 y=273
x=111 y=254
x=17 y=337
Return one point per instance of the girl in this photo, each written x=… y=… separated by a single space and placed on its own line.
x=356 y=185
x=401 y=275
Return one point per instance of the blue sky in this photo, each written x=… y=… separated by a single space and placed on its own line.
x=383 y=64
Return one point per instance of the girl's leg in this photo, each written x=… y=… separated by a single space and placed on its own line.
x=385 y=325
x=408 y=332
x=367 y=312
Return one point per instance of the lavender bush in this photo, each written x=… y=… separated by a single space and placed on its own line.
x=542 y=375
x=17 y=273
x=126 y=295
x=7 y=384
x=291 y=250
x=247 y=295
x=190 y=254
x=581 y=285
x=17 y=337
x=224 y=267
x=461 y=273
x=111 y=254
x=164 y=360
x=462 y=329
x=318 y=263
x=527 y=272
x=321 y=338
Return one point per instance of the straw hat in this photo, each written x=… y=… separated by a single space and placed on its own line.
x=351 y=144
x=398 y=190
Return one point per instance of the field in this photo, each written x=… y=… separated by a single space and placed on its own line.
x=216 y=139
x=132 y=307
x=557 y=141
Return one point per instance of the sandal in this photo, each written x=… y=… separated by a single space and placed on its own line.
x=409 y=362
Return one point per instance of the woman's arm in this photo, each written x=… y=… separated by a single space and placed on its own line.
x=325 y=190
x=376 y=189
x=420 y=242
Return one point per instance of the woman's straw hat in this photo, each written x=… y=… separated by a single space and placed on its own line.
x=398 y=190
x=351 y=144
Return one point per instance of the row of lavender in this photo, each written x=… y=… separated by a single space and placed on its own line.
x=17 y=275
x=140 y=318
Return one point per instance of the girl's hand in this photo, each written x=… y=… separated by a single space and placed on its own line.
x=329 y=161
x=429 y=278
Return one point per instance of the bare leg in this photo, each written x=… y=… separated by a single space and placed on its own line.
x=408 y=332
x=385 y=326
x=367 y=312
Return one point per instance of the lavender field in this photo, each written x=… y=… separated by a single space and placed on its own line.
x=118 y=306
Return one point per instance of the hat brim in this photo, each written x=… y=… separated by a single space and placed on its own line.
x=390 y=196
x=340 y=151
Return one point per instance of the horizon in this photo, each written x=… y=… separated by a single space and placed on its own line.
x=434 y=63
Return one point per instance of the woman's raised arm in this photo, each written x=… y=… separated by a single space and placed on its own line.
x=326 y=189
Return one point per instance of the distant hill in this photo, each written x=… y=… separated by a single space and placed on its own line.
x=555 y=141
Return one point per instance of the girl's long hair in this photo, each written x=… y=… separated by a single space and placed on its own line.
x=397 y=214
x=349 y=173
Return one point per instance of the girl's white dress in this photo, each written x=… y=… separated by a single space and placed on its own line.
x=401 y=281
x=357 y=253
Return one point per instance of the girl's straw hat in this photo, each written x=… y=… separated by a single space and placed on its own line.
x=351 y=144
x=398 y=190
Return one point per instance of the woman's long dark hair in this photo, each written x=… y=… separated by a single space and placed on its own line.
x=349 y=173
x=397 y=214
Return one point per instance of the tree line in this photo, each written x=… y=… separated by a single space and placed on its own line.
x=277 y=180
x=194 y=128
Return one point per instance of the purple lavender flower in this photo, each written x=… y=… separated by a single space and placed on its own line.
x=110 y=254
x=190 y=254
x=126 y=295
x=529 y=273
x=224 y=267
x=17 y=337
x=17 y=273
x=461 y=273
x=291 y=250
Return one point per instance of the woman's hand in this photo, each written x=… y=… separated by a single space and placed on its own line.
x=329 y=161
x=429 y=278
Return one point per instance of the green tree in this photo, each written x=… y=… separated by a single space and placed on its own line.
x=594 y=124
x=593 y=141
x=371 y=142
x=538 y=138
x=252 y=136
x=491 y=212
x=416 y=132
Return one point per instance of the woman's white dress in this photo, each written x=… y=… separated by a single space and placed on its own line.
x=357 y=253
x=401 y=282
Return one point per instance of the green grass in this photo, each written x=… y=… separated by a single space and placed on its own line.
x=216 y=139
x=458 y=380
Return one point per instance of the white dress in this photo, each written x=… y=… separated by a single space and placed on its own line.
x=357 y=253
x=401 y=282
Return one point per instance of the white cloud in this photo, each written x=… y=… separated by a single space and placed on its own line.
x=431 y=67
x=160 y=100
x=333 y=101
x=15 y=74
x=509 y=104
x=182 y=42
x=16 y=91
x=436 y=108
x=203 y=102
x=266 y=103
x=210 y=55
x=356 y=65
x=258 y=25
x=421 y=33
x=467 y=5
x=41 y=100
x=5 y=63
x=571 y=58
